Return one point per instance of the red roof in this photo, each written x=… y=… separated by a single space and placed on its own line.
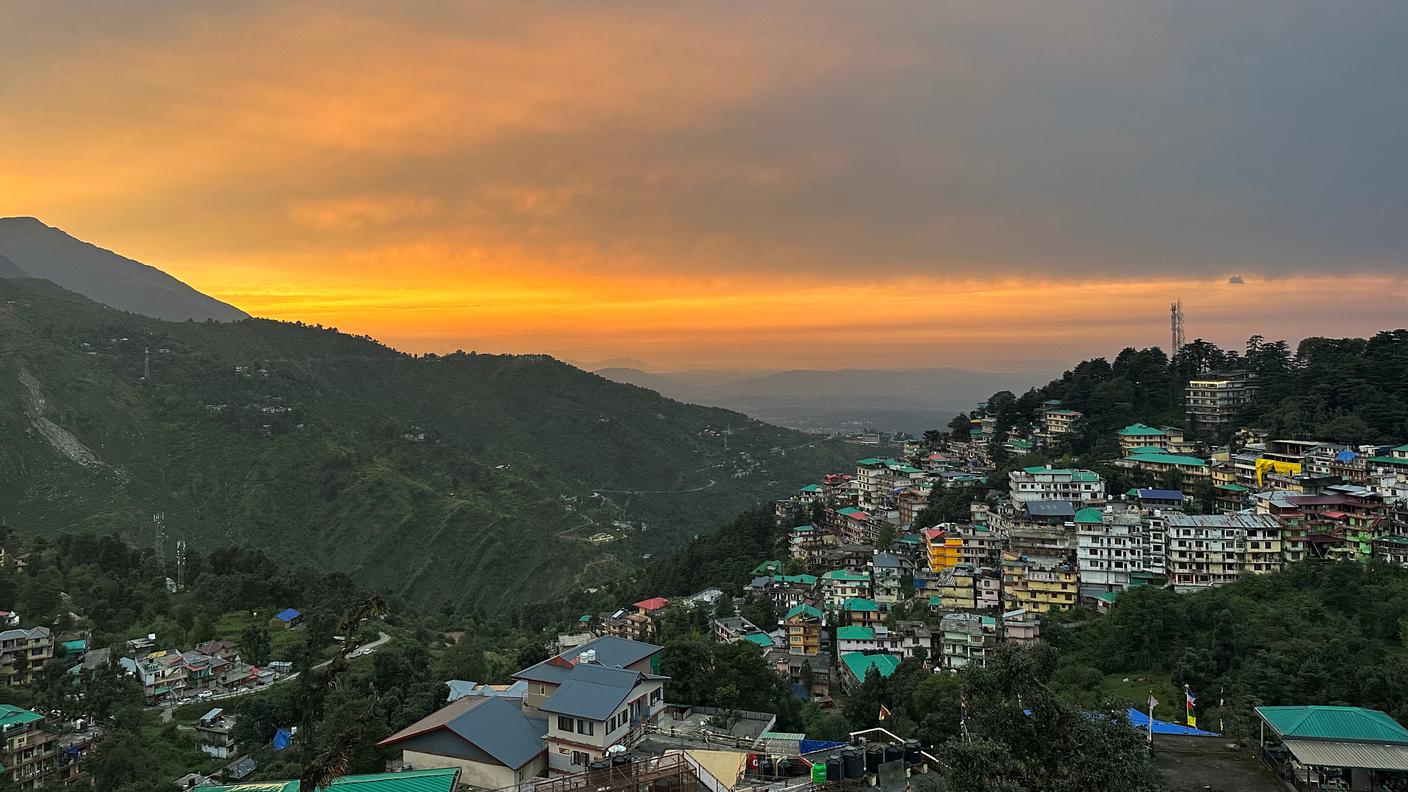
x=932 y=533
x=652 y=604
x=1334 y=515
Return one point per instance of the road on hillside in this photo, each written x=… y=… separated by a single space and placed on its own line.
x=361 y=651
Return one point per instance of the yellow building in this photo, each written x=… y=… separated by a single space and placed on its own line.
x=945 y=548
x=1037 y=584
x=955 y=589
x=803 y=630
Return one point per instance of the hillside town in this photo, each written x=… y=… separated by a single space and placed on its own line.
x=868 y=580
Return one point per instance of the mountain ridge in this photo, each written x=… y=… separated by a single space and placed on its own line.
x=42 y=251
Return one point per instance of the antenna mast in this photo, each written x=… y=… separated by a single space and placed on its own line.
x=1175 y=314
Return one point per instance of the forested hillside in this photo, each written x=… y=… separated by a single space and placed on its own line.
x=476 y=479
x=1350 y=390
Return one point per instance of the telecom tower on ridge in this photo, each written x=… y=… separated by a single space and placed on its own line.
x=1175 y=320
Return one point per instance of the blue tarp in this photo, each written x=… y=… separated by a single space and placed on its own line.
x=1345 y=456
x=282 y=739
x=1140 y=720
x=812 y=746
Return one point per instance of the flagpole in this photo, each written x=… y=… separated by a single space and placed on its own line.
x=1150 y=724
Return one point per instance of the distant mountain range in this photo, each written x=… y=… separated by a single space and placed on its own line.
x=31 y=248
x=908 y=400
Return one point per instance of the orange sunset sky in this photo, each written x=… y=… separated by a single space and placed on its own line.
x=733 y=184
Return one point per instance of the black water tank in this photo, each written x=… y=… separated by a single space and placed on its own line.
x=873 y=757
x=893 y=752
x=833 y=768
x=765 y=768
x=911 y=752
x=854 y=762
x=784 y=768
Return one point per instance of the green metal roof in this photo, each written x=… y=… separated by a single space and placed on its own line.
x=1339 y=724
x=1168 y=459
x=1232 y=487
x=803 y=528
x=767 y=567
x=1088 y=516
x=1388 y=460
x=440 y=780
x=855 y=633
x=804 y=610
x=1394 y=539
x=761 y=639
x=848 y=511
x=1084 y=475
x=842 y=574
x=10 y=715
x=860 y=664
x=805 y=580
x=812 y=488
x=1141 y=430
x=861 y=604
x=1035 y=469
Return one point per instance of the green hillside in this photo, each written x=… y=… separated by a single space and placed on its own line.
x=477 y=479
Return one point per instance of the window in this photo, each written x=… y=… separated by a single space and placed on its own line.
x=564 y=723
x=584 y=726
x=580 y=758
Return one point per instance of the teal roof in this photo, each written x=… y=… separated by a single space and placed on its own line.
x=861 y=604
x=586 y=617
x=1088 y=516
x=860 y=664
x=1393 y=539
x=1043 y=469
x=439 y=780
x=842 y=574
x=10 y=715
x=1232 y=487
x=767 y=567
x=803 y=528
x=805 y=580
x=849 y=510
x=1168 y=459
x=761 y=639
x=1403 y=449
x=878 y=461
x=812 y=488
x=908 y=539
x=1339 y=724
x=1388 y=460
x=855 y=634
x=803 y=610
x=1140 y=430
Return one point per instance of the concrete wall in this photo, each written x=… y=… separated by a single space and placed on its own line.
x=479 y=774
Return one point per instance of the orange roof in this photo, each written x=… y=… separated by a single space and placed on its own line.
x=652 y=604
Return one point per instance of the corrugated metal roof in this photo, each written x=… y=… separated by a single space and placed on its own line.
x=610 y=651
x=1373 y=756
x=1334 y=724
x=592 y=691
x=440 y=780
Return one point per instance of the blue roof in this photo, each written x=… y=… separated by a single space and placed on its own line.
x=1158 y=494
x=592 y=691
x=287 y=614
x=496 y=726
x=1345 y=456
x=1140 y=720
x=610 y=651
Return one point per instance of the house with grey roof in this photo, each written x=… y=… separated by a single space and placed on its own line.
x=488 y=739
x=609 y=650
x=595 y=707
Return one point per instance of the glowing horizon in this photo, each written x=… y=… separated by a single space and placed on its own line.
x=735 y=185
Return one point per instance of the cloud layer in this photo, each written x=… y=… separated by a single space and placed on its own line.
x=383 y=166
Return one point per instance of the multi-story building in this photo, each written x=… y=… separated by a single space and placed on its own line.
x=965 y=640
x=944 y=546
x=839 y=585
x=887 y=577
x=1214 y=399
x=23 y=653
x=803 y=625
x=1039 y=584
x=1056 y=421
x=1045 y=483
x=1162 y=439
x=806 y=542
x=861 y=611
x=855 y=638
x=913 y=639
x=1169 y=469
x=1107 y=549
x=1020 y=626
x=955 y=589
x=28 y=754
x=596 y=707
x=215 y=734
x=1211 y=549
x=544 y=679
x=878 y=479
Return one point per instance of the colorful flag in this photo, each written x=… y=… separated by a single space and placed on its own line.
x=884 y=712
x=1191 y=717
x=1153 y=702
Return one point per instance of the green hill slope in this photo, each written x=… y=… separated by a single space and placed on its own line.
x=478 y=479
